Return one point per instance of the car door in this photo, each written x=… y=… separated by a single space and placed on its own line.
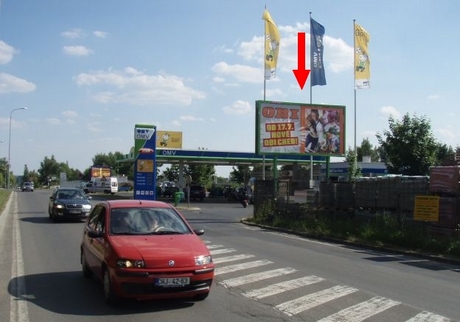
x=94 y=246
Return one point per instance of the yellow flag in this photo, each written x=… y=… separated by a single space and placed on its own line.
x=272 y=45
x=362 y=62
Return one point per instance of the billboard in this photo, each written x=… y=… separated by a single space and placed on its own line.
x=298 y=128
x=144 y=162
x=169 y=140
x=99 y=172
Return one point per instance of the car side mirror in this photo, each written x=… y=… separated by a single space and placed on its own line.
x=95 y=234
x=199 y=232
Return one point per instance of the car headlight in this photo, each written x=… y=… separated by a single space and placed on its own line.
x=87 y=207
x=203 y=260
x=59 y=206
x=127 y=263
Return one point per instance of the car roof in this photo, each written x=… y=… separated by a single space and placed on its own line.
x=123 y=203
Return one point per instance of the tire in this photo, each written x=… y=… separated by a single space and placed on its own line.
x=87 y=272
x=110 y=297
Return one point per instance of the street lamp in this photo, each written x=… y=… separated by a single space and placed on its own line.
x=9 y=147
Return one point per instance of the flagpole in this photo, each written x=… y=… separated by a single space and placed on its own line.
x=265 y=92
x=311 y=100
x=354 y=87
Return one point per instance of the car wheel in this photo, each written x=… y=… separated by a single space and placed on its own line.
x=110 y=297
x=87 y=272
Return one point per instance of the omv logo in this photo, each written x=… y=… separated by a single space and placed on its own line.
x=143 y=133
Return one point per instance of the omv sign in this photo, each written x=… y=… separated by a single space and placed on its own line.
x=143 y=133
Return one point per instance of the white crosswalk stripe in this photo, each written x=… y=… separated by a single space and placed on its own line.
x=246 y=279
x=283 y=287
x=233 y=258
x=311 y=300
x=222 y=251
x=428 y=317
x=361 y=311
x=355 y=313
x=239 y=267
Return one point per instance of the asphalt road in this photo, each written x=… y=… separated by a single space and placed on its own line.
x=261 y=275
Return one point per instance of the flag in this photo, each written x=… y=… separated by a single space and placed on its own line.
x=362 y=62
x=316 y=48
x=272 y=45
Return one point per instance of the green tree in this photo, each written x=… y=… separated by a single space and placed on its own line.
x=49 y=168
x=241 y=174
x=354 y=171
x=201 y=173
x=409 y=146
x=366 y=149
x=445 y=155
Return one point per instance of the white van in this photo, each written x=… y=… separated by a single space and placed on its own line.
x=105 y=185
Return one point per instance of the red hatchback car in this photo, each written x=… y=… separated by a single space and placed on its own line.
x=145 y=250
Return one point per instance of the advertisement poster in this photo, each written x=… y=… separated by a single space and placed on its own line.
x=145 y=162
x=297 y=128
x=169 y=140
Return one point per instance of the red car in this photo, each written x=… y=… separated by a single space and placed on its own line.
x=145 y=250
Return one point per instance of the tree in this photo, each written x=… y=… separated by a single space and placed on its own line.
x=201 y=173
x=409 y=146
x=366 y=149
x=49 y=168
x=241 y=174
x=445 y=155
x=354 y=171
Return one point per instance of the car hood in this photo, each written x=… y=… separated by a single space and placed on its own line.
x=74 y=201
x=158 y=250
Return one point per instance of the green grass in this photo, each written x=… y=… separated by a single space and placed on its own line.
x=4 y=195
x=379 y=230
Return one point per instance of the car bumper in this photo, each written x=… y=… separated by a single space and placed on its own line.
x=141 y=285
x=71 y=215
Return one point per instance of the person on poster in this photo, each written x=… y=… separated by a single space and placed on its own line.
x=332 y=144
x=314 y=132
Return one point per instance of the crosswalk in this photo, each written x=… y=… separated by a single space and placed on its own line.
x=253 y=278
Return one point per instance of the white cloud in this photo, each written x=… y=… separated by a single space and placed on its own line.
x=390 y=110
x=77 y=50
x=190 y=118
x=434 y=97
x=13 y=84
x=69 y=114
x=131 y=86
x=73 y=33
x=100 y=34
x=241 y=73
x=238 y=108
x=53 y=121
x=6 y=52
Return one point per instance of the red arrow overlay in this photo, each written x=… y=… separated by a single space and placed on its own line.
x=301 y=73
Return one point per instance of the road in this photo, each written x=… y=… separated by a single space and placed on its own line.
x=261 y=275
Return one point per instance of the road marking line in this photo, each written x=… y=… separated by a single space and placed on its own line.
x=214 y=246
x=311 y=300
x=361 y=311
x=428 y=317
x=240 y=267
x=237 y=281
x=18 y=305
x=233 y=258
x=283 y=287
x=222 y=251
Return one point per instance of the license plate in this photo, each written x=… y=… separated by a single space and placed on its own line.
x=172 y=281
x=74 y=211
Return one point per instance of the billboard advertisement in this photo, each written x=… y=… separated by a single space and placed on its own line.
x=169 y=140
x=298 y=128
x=145 y=162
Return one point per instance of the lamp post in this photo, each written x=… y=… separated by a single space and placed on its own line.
x=9 y=147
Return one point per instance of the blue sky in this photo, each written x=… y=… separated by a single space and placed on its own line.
x=88 y=71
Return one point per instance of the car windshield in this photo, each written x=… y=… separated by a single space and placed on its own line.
x=146 y=221
x=70 y=194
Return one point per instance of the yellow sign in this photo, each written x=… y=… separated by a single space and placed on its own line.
x=144 y=165
x=426 y=208
x=169 y=140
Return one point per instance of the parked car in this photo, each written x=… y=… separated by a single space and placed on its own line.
x=197 y=192
x=69 y=203
x=27 y=186
x=134 y=259
x=170 y=191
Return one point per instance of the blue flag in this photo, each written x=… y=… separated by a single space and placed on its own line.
x=317 y=75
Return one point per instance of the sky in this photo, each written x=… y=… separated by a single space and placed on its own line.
x=88 y=71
